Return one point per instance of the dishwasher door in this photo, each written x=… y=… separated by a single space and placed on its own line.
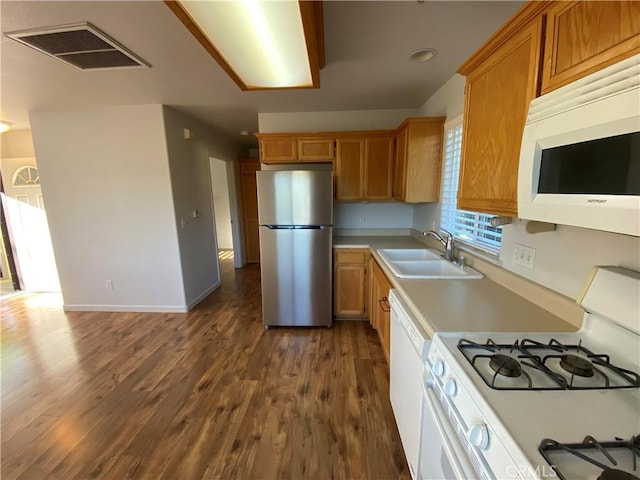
x=409 y=347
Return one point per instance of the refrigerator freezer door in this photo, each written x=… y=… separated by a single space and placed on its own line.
x=296 y=276
x=299 y=197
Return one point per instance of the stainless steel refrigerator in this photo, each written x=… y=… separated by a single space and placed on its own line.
x=295 y=214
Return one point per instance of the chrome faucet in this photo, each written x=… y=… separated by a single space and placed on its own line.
x=446 y=241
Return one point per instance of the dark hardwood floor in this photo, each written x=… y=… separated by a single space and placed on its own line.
x=207 y=394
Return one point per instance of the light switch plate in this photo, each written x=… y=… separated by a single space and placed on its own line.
x=523 y=255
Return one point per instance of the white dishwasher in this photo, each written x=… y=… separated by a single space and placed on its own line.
x=409 y=348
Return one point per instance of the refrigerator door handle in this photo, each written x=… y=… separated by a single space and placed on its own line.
x=297 y=227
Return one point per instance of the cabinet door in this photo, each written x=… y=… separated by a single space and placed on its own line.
x=350 y=169
x=498 y=94
x=351 y=283
x=383 y=309
x=316 y=149
x=278 y=150
x=248 y=188
x=374 y=295
x=378 y=170
x=583 y=37
x=423 y=159
x=400 y=171
x=350 y=298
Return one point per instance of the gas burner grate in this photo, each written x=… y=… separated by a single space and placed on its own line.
x=591 y=446
x=573 y=363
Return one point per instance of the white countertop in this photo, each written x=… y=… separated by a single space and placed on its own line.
x=479 y=305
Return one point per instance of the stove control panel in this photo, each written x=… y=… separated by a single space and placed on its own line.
x=456 y=392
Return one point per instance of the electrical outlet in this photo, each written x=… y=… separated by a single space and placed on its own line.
x=364 y=220
x=182 y=223
x=109 y=285
x=525 y=256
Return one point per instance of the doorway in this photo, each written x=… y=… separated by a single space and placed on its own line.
x=223 y=191
x=27 y=226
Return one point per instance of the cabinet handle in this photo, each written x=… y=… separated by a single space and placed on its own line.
x=384 y=304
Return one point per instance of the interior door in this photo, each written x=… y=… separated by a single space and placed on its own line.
x=27 y=222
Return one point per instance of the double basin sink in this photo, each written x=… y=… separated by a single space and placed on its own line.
x=424 y=263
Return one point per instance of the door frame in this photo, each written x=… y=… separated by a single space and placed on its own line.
x=235 y=206
x=7 y=245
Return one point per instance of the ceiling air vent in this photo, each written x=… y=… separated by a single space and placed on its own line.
x=82 y=45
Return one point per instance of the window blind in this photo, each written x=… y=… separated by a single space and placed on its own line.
x=469 y=227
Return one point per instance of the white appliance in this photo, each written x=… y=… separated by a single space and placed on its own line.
x=409 y=347
x=580 y=154
x=562 y=405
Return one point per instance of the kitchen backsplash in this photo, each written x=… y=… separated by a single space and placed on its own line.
x=563 y=258
x=372 y=215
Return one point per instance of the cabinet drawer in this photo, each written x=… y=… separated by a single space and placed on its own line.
x=351 y=257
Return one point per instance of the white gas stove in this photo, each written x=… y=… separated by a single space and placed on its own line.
x=563 y=405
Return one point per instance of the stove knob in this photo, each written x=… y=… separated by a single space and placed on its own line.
x=478 y=435
x=450 y=387
x=438 y=368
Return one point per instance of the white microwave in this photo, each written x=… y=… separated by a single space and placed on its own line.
x=580 y=154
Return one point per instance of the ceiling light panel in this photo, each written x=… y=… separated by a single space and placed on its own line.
x=262 y=41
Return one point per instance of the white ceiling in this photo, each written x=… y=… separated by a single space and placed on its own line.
x=367 y=47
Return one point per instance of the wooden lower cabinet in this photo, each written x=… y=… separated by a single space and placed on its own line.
x=350 y=282
x=380 y=309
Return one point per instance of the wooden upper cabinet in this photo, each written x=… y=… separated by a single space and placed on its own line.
x=316 y=149
x=364 y=167
x=349 y=168
x=585 y=36
x=418 y=160
x=378 y=168
x=278 y=149
x=295 y=147
x=502 y=79
x=400 y=169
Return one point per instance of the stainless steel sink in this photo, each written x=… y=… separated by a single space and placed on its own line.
x=424 y=263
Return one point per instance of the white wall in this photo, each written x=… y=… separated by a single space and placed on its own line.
x=220 y=187
x=426 y=216
x=448 y=101
x=106 y=182
x=333 y=121
x=564 y=257
x=16 y=144
x=191 y=187
x=372 y=215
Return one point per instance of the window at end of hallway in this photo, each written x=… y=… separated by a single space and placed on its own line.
x=469 y=228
